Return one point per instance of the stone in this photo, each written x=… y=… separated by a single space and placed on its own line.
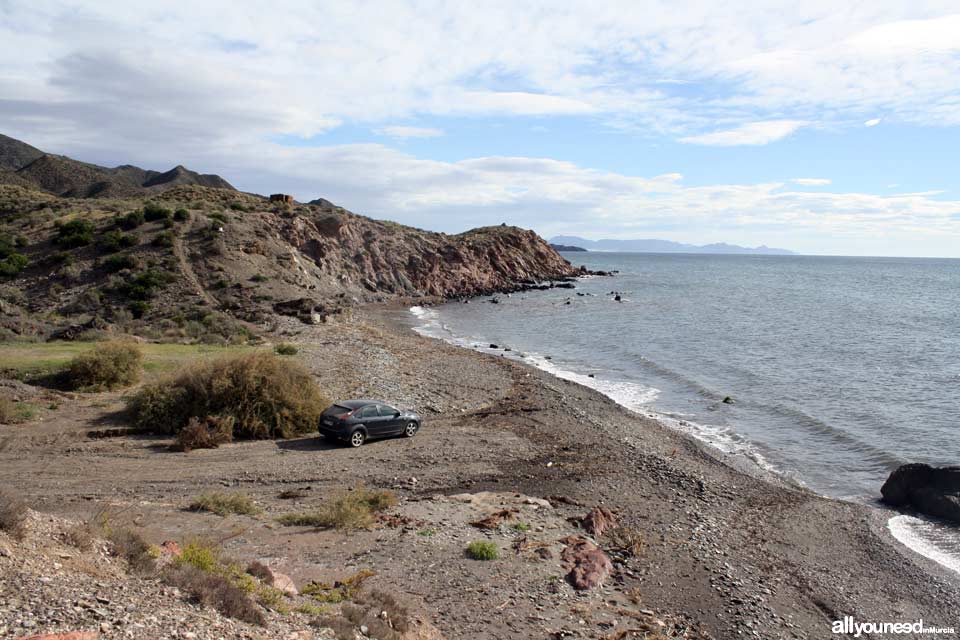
x=934 y=491
x=588 y=565
x=599 y=519
x=74 y=635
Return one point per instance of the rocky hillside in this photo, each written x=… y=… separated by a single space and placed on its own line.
x=27 y=166
x=198 y=263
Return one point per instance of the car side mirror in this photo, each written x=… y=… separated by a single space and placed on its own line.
x=396 y=414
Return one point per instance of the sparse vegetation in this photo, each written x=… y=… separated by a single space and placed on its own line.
x=131 y=221
x=11 y=261
x=483 y=550
x=341 y=591
x=15 y=412
x=138 y=308
x=259 y=278
x=13 y=514
x=626 y=539
x=209 y=433
x=285 y=349
x=224 y=504
x=520 y=526
x=108 y=366
x=266 y=397
x=348 y=510
x=163 y=239
x=145 y=284
x=130 y=545
x=181 y=215
x=310 y=609
x=80 y=536
x=214 y=590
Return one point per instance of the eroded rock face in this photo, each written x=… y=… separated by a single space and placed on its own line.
x=934 y=491
x=588 y=565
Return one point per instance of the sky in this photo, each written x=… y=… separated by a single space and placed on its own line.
x=825 y=127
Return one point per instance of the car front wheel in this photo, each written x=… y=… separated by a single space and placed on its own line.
x=411 y=429
x=357 y=438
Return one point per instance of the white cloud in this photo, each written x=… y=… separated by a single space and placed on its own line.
x=398 y=131
x=751 y=133
x=812 y=182
x=872 y=123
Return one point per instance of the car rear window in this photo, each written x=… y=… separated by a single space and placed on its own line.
x=339 y=410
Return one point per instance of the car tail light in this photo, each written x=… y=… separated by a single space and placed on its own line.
x=346 y=415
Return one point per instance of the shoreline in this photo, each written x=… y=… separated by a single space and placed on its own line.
x=896 y=528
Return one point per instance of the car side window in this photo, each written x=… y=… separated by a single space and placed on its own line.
x=369 y=412
x=387 y=411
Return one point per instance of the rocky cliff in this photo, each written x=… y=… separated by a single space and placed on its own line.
x=215 y=255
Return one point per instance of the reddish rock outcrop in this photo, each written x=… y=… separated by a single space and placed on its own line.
x=588 y=565
x=599 y=519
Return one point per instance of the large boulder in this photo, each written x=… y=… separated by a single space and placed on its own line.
x=587 y=565
x=934 y=491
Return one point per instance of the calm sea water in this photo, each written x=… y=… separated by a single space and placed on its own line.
x=840 y=369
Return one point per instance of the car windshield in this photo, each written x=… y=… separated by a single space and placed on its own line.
x=338 y=410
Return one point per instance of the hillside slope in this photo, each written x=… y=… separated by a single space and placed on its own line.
x=24 y=165
x=215 y=264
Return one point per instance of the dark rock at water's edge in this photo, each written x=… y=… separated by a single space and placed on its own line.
x=934 y=491
x=566 y=247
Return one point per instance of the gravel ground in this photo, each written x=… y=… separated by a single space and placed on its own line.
x=725 y=553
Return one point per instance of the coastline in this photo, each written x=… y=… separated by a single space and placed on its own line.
x=725 y=552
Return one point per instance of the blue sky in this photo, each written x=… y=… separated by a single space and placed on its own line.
x=830 y=127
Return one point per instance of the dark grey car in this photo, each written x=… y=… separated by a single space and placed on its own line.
x=356 y=421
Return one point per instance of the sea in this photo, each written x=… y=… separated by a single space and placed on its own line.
x=835 y=370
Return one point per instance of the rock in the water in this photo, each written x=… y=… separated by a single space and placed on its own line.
x=589 y=566
x=728 y=400
x=934 y=491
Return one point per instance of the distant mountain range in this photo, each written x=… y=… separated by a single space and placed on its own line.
x=27 y=166
x=663 y=246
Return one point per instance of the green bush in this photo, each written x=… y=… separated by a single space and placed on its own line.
x=131 y=221
x=483 y=550
x=75 y=233
x=285 y=349
x=267 y=397
x=120 y=261
x=260 y=278
x=144 y=285
x=139 y=308
x=12 y=262
x=163 y=239
x=153 y=211
x=113 y=241
x=109 y=365
x=181 y=215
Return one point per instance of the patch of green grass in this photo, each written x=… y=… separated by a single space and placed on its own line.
x=14 y=412
x=482 y=550
x=427 y=532
x=520 y=526
x=200 y=555
x=285 y=349
x=223 y=504
x=311 y=609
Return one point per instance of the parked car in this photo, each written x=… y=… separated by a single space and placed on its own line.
x=356 y=421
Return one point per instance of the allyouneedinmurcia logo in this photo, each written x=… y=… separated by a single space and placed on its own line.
x=849 y=626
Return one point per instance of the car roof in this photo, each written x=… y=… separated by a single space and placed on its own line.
x=360 y=402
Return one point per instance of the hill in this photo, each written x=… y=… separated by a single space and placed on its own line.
x=27 y=166
x=210 y=264
x=664 y=246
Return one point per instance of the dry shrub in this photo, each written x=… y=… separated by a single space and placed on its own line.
x=267 y=397
x=626 y=539
x=223 y=504
x=110 y=365
x=130 y=545
x=81 y=536
x=347 y=510
x=209 y=433
x=13 y=514
x=260 y=571
x=367 y=610
x=215 y=591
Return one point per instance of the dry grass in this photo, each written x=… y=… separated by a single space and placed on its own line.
x=347 y=510
x=267 y=397
x=12 y=412
x=110 y=365
x=340 y=591
x=209 y=433
x=215 y=591
x=130 y=545
x=81 y=536
x=626 y=539
x=224 y=504
x=13 y=514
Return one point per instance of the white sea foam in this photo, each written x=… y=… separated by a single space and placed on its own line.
x=634 y=396
x=925 y=538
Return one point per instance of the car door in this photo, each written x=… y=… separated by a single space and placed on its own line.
x=391 y=419
x=372 y=421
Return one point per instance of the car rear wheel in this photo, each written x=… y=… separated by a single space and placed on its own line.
x=357 y=438
x=411 y=429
